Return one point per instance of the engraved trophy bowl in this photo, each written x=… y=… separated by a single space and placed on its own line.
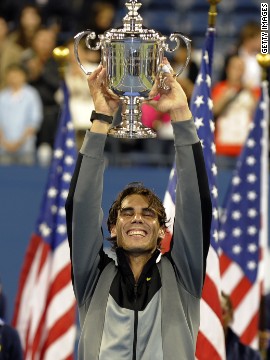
x=132 y=56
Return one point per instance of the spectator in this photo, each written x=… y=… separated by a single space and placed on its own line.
x=45 y=77
x=235 y=350
x=234 y=104
x=10 y=344
x=20 y=117
x=9 y=51
x=248 y=46
x=29 y=22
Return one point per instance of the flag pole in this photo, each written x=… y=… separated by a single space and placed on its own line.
x=264 y=62
x=212 y=13
x=60 y=55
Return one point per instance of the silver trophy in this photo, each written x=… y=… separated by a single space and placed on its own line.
x=132 y=56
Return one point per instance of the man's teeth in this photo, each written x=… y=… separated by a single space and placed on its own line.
x=136 y=232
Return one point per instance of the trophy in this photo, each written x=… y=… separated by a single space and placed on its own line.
x=132 y=56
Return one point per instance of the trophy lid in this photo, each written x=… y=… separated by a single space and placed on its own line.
x=132 y=26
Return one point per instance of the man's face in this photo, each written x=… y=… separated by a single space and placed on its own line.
x=137 y=227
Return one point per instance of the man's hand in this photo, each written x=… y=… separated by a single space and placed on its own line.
x=172 y=101
x=105 y=101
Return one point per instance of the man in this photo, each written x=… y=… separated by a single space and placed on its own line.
x=144 y=305
x=10 y=344
x=235 y=350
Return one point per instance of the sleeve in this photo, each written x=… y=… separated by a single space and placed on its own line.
x=193 y=209
x=84 y=216
x=35 y=110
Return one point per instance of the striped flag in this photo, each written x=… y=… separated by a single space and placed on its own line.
x=210 y=342
x=45 y=312
x=243 y=225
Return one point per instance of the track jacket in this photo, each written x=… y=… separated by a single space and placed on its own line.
x=156 y=318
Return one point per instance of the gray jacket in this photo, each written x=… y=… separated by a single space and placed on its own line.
x=157 y=318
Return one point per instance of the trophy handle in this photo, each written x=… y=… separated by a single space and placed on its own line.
x=177 y=38
x=90 y=35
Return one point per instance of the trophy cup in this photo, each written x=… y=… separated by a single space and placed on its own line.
x=132 y=56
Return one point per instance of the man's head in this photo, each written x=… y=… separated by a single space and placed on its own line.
x=137 y=220
x=227 y=310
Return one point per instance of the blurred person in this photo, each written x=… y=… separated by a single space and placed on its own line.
x=81 y=104
x=10 y=344
x=235 y=350
x=101 y=18
x=247 y=47
x=9 y=52
x=44 y=76
x=30 y=21
x=160 y=122
x=233 y=107
x=20 y=118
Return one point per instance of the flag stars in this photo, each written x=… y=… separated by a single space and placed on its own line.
x=252 y=248
x=236 y=215
x=236 y=180
x=210 y=103
x=251 y=195
x=251 y=178
x=222 y=234
x=213 y=148
x=199 y=79
x=251 y=160
x=208 y=80
x=251 y=230
x=214 y=169
x=237 y=249
x=54 y=209
x=215 y=235
x=214 y=191
x=215 y=213
x=206 y=57
x=62 y=211
x=199 y=101
x=70 y=125
x=69 y=160
x=61 y=229
x=237 y=232
x=236 y=197
x=212 y=125
x=67 y=177
x=70 y=143
x=58 y=153
x=198 y=122
x=44 y=230
x=52 y=192
x=251 y=265
x=251 y=143
x=64 y=194
x=252 y=213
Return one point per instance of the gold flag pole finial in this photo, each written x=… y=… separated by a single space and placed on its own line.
x=61 y=54
x=212 y=13
x=264 y=62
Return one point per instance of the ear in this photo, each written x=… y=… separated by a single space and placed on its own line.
x=113 y=231
x=161 y=233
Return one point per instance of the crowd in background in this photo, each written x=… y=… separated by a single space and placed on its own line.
x=28 y=34
x=30 y=86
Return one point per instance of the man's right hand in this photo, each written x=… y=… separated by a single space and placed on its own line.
x=105 y=101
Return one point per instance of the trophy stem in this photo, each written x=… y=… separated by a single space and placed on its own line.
x=131 y=126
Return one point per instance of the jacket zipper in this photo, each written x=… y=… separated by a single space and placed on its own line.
x=135 y=322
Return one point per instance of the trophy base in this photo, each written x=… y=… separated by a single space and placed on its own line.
x=137 y=132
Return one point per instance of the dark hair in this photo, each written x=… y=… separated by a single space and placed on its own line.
x=139 y=189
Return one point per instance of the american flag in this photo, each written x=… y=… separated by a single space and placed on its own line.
x=240 y=229
x=45 y=314
x=210 y=341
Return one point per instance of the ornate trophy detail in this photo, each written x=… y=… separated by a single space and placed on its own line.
x=131 y=55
